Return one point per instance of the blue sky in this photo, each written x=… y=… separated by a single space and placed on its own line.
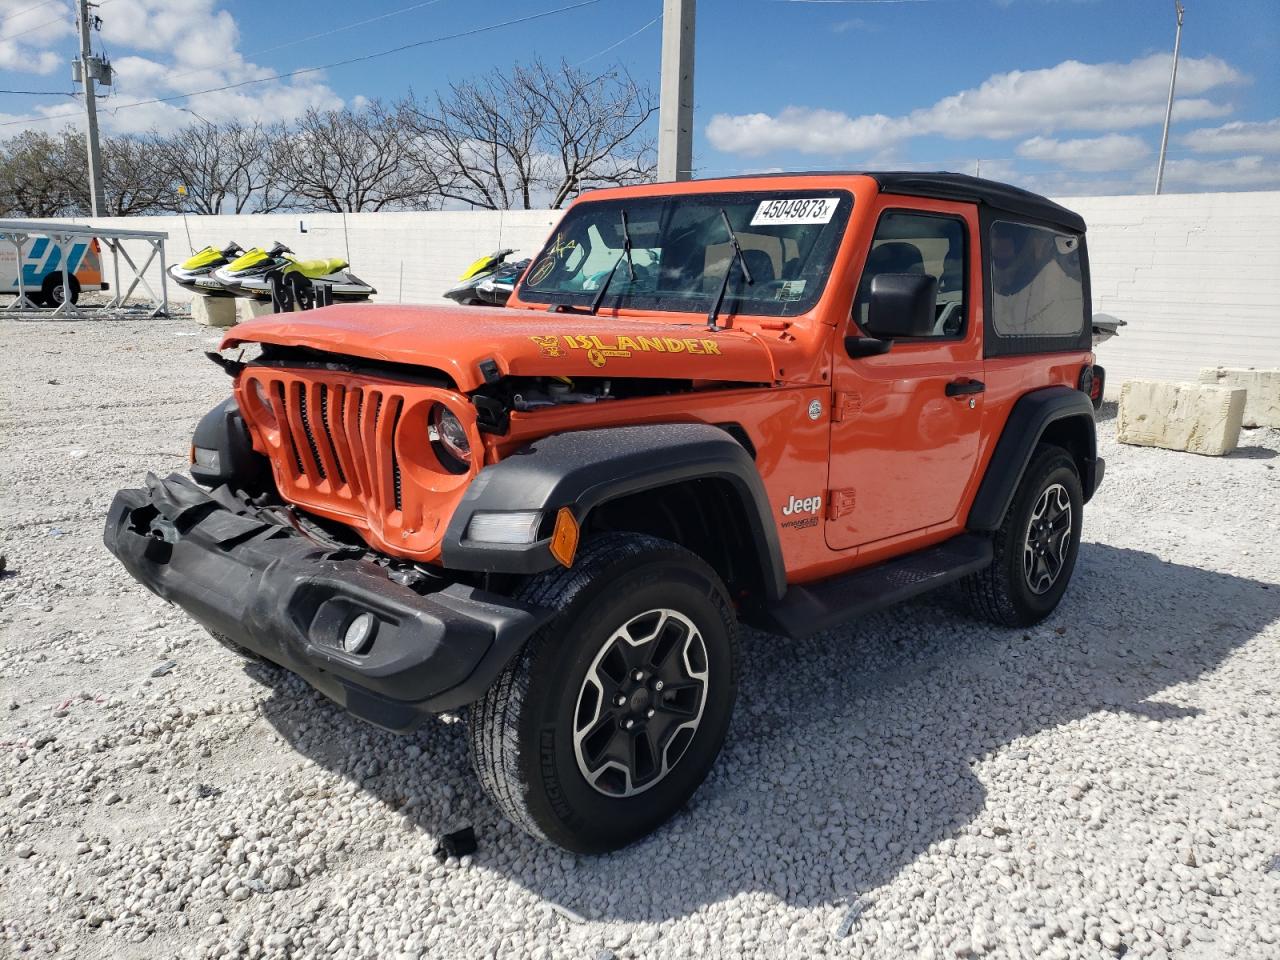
x=1065 y=96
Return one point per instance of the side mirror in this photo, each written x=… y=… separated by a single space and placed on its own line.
x=866 y=346
x=902 y=305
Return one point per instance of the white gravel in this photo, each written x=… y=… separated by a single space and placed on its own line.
x=919 y=785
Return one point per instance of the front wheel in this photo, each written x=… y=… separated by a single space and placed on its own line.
x=1035 y=547
x=615 y=711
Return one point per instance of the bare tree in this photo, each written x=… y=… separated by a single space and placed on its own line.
x=132 y=183
x=42 y=174
x=534 y=137
x=348 y=160
x=479 y=143
x=224 y=167
x=593 y=127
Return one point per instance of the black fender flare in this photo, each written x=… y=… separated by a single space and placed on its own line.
x=1032 y=415
x=585 y=468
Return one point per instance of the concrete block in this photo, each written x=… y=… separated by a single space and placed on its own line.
x=251 y=309
x=1262 y=392
x=1195 y=417
x=214 y=311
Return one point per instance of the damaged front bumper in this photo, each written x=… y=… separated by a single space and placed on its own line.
x=273 y=590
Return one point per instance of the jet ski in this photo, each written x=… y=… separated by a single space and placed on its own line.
x=196 y=272
x=251 y=275
x=489 y=281
x=252 y=267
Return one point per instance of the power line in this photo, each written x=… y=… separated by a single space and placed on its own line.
x=364 y=58
x=41 y=26
x=41 y=93
x=18 y=13
x=614 y=46
x=317 y=36
x=855 y=1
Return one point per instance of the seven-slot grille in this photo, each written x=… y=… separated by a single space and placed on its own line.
x=339 y=439
x=360 y=451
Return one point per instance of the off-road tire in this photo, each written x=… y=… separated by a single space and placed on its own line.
x=522 y=740
x=1000 y=593
x=52 y=284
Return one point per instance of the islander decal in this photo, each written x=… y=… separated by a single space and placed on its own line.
x=599 y=351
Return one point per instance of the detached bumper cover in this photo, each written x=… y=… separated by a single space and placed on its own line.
x=288 y=598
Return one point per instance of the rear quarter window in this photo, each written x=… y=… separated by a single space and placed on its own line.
x=1037 y=285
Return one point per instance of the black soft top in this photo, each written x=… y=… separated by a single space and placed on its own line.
x=957 y=186
x=1000 y=196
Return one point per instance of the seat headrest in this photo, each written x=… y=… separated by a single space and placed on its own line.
x=760 y=264
x=896 y=256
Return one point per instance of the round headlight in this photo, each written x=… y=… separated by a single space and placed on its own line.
x=447 y=430
x=266 y=413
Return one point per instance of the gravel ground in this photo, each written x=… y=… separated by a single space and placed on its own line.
x=918 y=785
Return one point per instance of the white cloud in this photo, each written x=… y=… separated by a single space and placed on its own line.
x=25 y=29
x=1068 y=96
x=1261 y=136
x=1115 y=151
x=853 y=23
x=805 y=130
x=1237 y=173
x=162 y=49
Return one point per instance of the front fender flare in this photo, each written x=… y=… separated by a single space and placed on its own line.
x=582 y=469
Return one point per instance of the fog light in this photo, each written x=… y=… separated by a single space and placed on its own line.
x=520 y=526
x=359 y=633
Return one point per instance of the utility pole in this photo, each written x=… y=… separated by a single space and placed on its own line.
x=90 y=69
x=675 y=99
x=1168 y=113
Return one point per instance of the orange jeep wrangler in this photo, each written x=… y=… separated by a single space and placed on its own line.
x=782 y=400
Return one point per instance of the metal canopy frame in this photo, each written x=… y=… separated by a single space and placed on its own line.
x=17 y=232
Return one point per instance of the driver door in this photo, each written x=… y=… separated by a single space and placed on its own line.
x=905 y=424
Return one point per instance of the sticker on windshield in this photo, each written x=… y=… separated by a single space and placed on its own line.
x=774 y=213
x=791 y=289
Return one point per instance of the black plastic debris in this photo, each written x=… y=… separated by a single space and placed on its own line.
x=204 y=791
x=457 y=844
x=856 y=909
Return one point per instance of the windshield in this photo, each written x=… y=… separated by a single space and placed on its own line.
x=680 y=251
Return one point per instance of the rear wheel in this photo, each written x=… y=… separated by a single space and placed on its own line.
x=614 y=712
x=1036 y=545
x=51 y=291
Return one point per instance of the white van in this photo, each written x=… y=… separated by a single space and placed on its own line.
x=42 y=261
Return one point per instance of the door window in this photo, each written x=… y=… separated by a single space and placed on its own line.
x=920 y=243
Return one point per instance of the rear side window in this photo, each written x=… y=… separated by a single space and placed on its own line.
x=1037 y=287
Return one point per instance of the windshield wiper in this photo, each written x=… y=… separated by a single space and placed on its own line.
x=714 y=313
x=631 y=267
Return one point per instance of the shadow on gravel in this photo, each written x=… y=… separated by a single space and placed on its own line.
x=1252 y=453
x=850 y=752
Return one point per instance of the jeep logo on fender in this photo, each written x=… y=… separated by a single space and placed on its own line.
x=803 y=511
x=807 y=505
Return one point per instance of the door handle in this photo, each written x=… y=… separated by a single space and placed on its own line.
x=962 y=388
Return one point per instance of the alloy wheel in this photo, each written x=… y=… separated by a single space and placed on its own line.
x=1048 y=539
x=640 y=703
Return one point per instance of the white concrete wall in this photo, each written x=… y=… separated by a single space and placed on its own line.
x=408 y=257
x=1197 y=276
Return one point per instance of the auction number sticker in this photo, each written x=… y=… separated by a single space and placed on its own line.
x=772 y=213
